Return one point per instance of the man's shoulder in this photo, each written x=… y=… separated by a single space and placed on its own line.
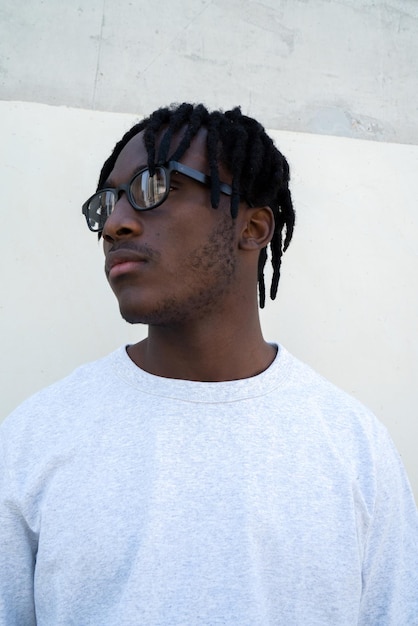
x=49 y=403
x=305 y=381
x=325 y=406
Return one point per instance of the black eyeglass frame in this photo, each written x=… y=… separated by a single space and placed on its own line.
x=169 y=167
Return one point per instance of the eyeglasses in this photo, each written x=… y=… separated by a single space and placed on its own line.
x=144 y=192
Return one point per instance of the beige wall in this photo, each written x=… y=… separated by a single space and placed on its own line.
x=347 y=302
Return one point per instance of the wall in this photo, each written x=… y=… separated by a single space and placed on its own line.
x=339 y=67
x=347 y=301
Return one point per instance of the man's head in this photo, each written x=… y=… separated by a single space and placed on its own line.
x=236 y=149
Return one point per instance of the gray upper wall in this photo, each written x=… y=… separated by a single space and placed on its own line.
x=335 y=67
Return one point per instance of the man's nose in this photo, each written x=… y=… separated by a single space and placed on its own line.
x=124 y=221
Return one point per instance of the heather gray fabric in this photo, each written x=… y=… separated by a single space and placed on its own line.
x=130 y=499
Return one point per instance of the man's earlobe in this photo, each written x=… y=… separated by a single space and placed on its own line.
x=258 y=228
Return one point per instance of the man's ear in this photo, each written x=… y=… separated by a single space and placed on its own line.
x=258 y=228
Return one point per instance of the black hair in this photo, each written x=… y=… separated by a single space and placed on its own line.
x=260 y=173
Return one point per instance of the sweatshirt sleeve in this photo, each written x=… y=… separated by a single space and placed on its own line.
x=390 y=563
x=17 y=555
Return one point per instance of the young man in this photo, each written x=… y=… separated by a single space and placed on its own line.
x=201 y=476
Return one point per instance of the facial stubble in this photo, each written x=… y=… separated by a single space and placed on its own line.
x=207 y=273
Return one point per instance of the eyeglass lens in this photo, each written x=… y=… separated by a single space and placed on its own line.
x=99 y=208
x=147 y=190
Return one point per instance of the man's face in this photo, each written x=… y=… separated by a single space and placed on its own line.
x=175 y=263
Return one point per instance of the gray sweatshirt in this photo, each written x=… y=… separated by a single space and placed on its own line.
x=131 y=499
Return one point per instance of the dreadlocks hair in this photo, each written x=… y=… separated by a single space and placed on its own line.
x=260 y=173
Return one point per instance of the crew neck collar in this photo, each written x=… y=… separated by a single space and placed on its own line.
x=203 y=392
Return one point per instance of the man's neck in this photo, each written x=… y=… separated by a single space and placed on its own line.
x=203 y=356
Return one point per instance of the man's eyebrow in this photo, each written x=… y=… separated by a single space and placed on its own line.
x=109 y=184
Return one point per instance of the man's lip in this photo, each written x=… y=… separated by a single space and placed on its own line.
x=123 y=260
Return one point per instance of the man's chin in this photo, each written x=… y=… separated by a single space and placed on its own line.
x=164 y=313
x=140 y=315
x=133 y=317
x=134 y=310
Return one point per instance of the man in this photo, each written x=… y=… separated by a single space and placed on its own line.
x=201 y=476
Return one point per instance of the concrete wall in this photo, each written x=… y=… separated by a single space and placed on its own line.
x=339 y=67
x=347 y=301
